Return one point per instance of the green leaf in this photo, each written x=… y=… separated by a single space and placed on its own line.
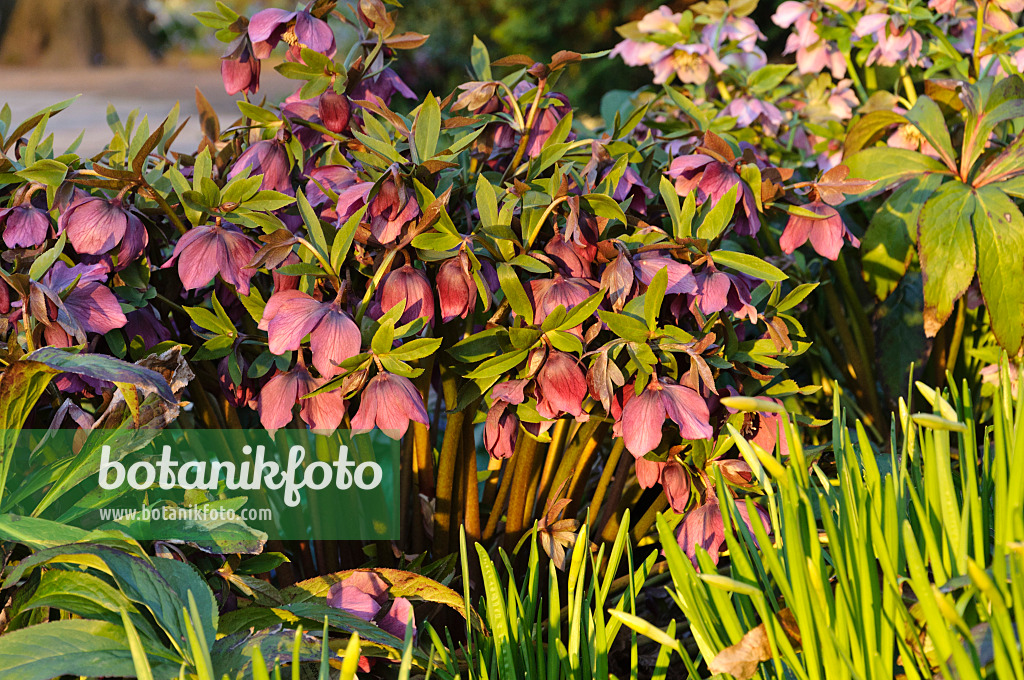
x=748 y=264
x=76 y=647
x=769 y=77
x=480 y=59
x=604 y=206
x=927 y=117
x=999 y=228
x=947 y=250
x=654 y=296
x=427 y=128
x=312 y=222
x=514 y=292
x=45 y=171
x=102 y=367
x=888 y=245
x=626 y=327
x=868 y=128
x=204 y=318
x=343 y=239
x=43 y=263
x=582 y=311
x=668 y=194
x=888 y=167
x=416 y=349
x=688 y=107
x=717 y=218
x=256 y=113
x=383 y=339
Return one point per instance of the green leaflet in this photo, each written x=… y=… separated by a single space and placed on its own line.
x=999 y=229
x=947 y=250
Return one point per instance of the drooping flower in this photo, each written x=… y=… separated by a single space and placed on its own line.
x=718 y=290
x=456 y=289
x=501 y=428
x=95 y=225
x=691 y=63
x=25 y=226
x=712 y=179
x=561 y=386
x=389 y=402
x=391 y=209
x=240 y=69
x=558 y=291
x=409 y=285
x=89 y=307
x=291 y=315
x=749 y=110
x=671 y=475
x=268 y=27
x=266 y=157
x=324 y=412
x=143 y=323
x=680 y=276
x=826 y=234
x=643 y=415
x=893 y=44
x=334 y=110
x=203 y=252
x=384 y=85
x=704 y=527
x=336 y=178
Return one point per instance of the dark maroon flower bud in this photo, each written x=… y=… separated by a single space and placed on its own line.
x=561 y=386
x=456 y=290
x=676 y=484
x=25 y=226
x=334 y=111
x=266 y=157
x=501 y=429
x=392 y=208
x=408 y=284
x=5 y=298
x=389 y=402
x=240 y=69
x=95 y=225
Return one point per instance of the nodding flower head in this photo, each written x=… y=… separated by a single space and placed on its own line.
x=456 y=289
x=643 y=415
x=409 y=285
x=95 y=225
x=266 y=157
x=291 y=315
x=299 y=29
x=203 y=252
x=25 y=226
x=561 y=386
x=240 y=69
x=389 y=402
x=323 y=413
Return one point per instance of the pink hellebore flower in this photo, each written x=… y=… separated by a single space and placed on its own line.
x=456 y=289
x=266 y=29
x=409 y=285
x=95 y=225
x=291 y=315
x=718 y=290
x=713 y=179
x=389 y=402
x=266 y=157
x=661 y=20
x=391 y=209
x=385 y=85
x=203 y=252
x=748 y=110
x=365 y=594
x=680 y=276
x=892 y=47
x=826 y=234
x=25 y=226
x=691 y=63
x=501 y=429
x=704 y=527
x=240 y=69
x=643 y=416
x=672 y=477
x=90 y=305
x=561 y=387
x=323 y=412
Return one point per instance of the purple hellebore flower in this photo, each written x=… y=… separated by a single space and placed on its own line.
x=391 y=209
x=543 y=125
x=241 y=394
x=409 y=285
x=144 y=323
x=268 y=27
x=90 y=305
x=456 y=289
x=240 y=69
x=661 y=20
x=365 y=594
x=203 y=252
x=643 y=416
x=385 y=85
x=95 y=225
x=568 y=257
x=561 y=387
x=25 y=226
x=718 y=290
x=892 y=46
x=389 y=402
x=680 y=276
x=550 y=294
x=322 y=413
x=704 y=527
x=713 y=179
x=337 y=178
x=826 y=234
x=748 y=110
x=291 y=315
x=631 y=186
x=266 y=157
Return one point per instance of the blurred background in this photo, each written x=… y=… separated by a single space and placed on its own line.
x=148 y=54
